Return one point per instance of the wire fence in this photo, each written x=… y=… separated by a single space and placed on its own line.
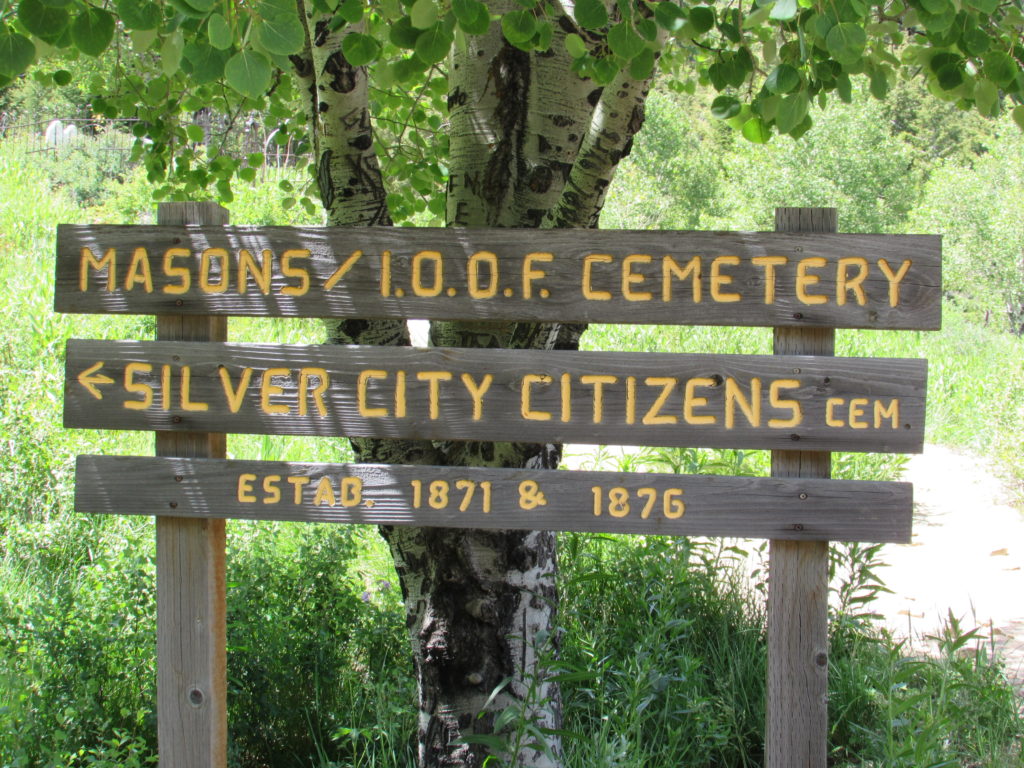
x=117 y=137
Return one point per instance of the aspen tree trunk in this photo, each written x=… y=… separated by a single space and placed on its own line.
x=532 y=145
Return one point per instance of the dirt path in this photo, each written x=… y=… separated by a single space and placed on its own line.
x=967 y=557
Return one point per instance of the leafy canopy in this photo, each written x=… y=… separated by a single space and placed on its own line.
x=769 y=63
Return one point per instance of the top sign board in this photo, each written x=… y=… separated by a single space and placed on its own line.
x=674 y=278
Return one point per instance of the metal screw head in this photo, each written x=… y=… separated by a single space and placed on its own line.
x=803 y=497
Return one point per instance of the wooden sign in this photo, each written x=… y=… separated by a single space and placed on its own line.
x=676 y=278
x=731 y=401
x=471 y=497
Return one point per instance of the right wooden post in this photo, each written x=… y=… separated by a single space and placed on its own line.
x=796 y=732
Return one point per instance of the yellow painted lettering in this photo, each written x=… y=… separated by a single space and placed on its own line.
x=530 y=274
x=234 y=395
x=271 y=489
x=89 y=261
x=186 y=392
x=525 y=406
x=434 y=379
x=138 y=387
x=566 y=385
x=793 y=406
x=323 y=381
x=894 y=279
x=846 y=284
x=598 y=381
x=691 y=401
x=668 y=386
x=892 y=411
x=385 y=273
x=351 y=491
x=297 y=482
x=437 y=266
x=299 y=272
x=588 y=266
x=260 y=272
x=804 y=280
x=268 y=389
x=630 y=399
x=324 y=495
x=181 y=273
x=206 y=268
x=165 y=387
x=769 y=263
x=830 y=412
x=718 y=280
x=342 y=270
x=670 y=268
x=751 y=406
x=856 y=412
x=364 y=409
x=477 y=392
x=630 y=278
x=473 y=275
x=244 y=494
x=400 y=402
x=139 y=272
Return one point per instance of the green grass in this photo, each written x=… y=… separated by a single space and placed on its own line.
x=662 y=644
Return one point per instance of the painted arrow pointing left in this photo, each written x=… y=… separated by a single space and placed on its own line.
x=90 y=378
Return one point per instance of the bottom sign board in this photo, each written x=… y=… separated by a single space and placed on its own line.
x=475 y=497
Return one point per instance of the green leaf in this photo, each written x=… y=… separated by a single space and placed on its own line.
x=624 y=41
x=575 y=46
x=61 y=77
x=702 y=19
x=16 y=52
x=784 y=10
x=879 y=84
x=984 y=6
x=724 y=107
x=1018 y=116
x=846 y=43
x=974 y=41
x=986 y=97
x=409 y=70
x=755 y=130
x=950 y=76
x=170 y=53
x=518 y=26
x=207 y=63
x=195 y=133
x=791 y=112
x=472 y=16
x=403 y=34
x=591 y=14
x=351 y=11
x=92 y=30
x=139 y=14
x=423 y=14
x=433 y=44
x=44 y=21
x=248 y=72
x=669 y=16
x=605 y=70
x=281 y=35
x=219 y=31
x=641 y=67
x=360 y=49
x=999 y=67
x=783 y=79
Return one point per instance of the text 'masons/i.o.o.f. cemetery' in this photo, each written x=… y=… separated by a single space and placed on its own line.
x=791 y=403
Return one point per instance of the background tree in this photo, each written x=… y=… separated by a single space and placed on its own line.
x=504 y=114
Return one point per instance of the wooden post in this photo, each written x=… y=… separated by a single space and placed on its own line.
x=796 y=733
x=191 y=624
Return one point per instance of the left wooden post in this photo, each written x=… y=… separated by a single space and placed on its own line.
x=190 y=585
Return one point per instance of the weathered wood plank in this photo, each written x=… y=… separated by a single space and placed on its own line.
x=796 y=728
x=745 y=278
x=732 y=401
x=190 y=577
x=471 y=497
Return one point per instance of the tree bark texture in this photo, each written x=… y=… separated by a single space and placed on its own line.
x=532 y=145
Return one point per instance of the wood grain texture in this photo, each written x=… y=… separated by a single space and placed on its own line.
x=190 y=576
x=216 y=373
x=796 y=733
x=778 y=508
x=624 y=280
